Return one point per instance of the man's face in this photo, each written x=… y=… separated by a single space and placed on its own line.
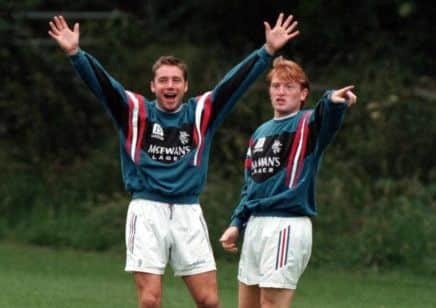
x=169 y=86
x=286 y=96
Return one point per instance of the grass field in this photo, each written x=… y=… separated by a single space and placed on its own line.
x=40 y=277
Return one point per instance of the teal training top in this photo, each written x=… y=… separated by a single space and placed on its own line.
x=164 y=155
x=282 y=161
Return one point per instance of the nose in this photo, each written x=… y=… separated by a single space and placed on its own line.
x=281 y=90
x=170 y=83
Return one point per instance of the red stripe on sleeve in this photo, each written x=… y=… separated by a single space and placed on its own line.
x=292 y=154
x=142 y=125
x=129 y=122
x=303 y=149
x=206 y=114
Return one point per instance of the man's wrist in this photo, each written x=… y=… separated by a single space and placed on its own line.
x=73 y=51
x=269 y=50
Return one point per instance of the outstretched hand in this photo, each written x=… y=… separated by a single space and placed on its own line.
x=66 y=38
x=229 y=238
x=344 y=95
x=283 y=32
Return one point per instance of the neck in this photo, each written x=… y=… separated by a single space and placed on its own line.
x=168 y=111
x=281 y=116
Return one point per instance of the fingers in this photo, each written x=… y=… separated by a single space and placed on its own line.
x=231 y=247
x=293 y=34
x=288 y=21
x=279 y=20
x=344 y=90
x=291 y=28
x=227 y=243
x=351 y=98
x=229 y=238
x=54 y=36
x=58 y=23
x=63 y=22
x=287 y=27
x=345 y=95
x=53 y=29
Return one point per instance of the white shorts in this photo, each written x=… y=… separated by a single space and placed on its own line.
x=158 y=233
x=275 y=251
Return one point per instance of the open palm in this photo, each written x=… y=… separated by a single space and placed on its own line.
x=283 y=31
x=66 y=38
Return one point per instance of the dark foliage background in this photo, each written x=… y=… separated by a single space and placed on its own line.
x=60 y=181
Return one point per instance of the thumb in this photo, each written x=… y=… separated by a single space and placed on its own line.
x=267 y=26
x=76 y=28
x=223 y=238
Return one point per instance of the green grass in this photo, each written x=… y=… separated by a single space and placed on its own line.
x=41 y=277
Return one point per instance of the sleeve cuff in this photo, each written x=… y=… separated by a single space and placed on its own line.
x=236 y=222
x=264 y=54
x=77 y=55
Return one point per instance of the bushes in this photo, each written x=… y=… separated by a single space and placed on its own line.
x=361 y=222
x=80 y=205
x=375 y=223
x=100 y=227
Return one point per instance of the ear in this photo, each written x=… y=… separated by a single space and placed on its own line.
x=186 y=87
x=152 y=88
x=304 y=94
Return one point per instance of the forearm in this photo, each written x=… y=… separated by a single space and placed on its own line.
x=329 y=116
x=86 y=70
x=104 y=87
x=241 y=213
x=236 y=82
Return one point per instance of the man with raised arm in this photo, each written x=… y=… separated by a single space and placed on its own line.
x=278 y=197
x=165 y=145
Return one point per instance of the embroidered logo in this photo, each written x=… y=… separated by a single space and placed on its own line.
x=276 y=147
x=157 y=132
x=259 y=145
x=184 y=137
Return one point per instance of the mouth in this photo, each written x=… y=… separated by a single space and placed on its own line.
x=170 y=95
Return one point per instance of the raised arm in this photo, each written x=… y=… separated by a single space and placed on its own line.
x=66 y=38
x=329 y=113
x=108 y=90
x=234 y=84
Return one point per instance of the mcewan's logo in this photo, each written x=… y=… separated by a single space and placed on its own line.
x=265 y=165
x=167 y=154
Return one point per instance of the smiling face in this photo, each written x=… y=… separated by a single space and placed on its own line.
x=169 y=85
x=289 y=87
